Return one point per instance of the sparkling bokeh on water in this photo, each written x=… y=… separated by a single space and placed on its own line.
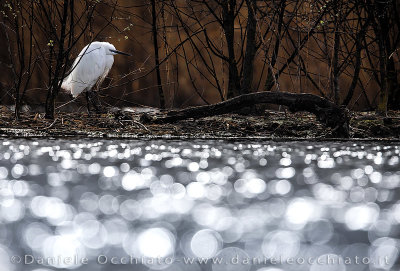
x=200 y=200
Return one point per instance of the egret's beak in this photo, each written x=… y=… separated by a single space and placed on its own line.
x=119 y=52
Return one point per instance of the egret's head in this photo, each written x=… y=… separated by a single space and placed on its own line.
x=112 y=51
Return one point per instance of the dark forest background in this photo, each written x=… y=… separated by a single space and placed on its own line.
x=201 y=52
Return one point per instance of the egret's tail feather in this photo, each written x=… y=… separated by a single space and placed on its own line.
x=66 y=84
x=74 y=87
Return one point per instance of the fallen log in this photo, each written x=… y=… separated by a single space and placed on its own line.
x=328 y=113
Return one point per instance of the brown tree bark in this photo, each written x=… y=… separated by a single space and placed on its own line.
x=156 y=53
x=248 y=63
x=56 y=84
x=228 y=19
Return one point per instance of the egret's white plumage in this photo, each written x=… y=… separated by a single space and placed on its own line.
x=90 y=67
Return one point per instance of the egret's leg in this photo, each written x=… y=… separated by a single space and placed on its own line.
x=94 y=99
x=88 y=101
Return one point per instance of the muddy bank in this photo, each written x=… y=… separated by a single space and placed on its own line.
x=131 y=124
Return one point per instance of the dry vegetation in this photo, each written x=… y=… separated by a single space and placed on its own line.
x=267 y=124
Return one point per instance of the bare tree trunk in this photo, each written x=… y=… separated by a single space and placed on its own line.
x=393 y=85
x=21 y=67
x=228 y=14
x=357 y=67
x=248 y=63
x=269 y=83
x=56 y=84
x=18 y=78
x=381 y=31
x=335 y=59
x=156 y=53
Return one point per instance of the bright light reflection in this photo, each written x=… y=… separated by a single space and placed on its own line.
x=361 y=217
x=63 y=246
x=300 y=211
x=264 y=199
x=205 y=243
x=156 y=242
x=281 y=244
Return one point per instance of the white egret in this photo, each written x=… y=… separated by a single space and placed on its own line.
x=90 y=67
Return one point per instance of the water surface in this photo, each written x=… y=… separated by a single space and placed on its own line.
x=171 y=205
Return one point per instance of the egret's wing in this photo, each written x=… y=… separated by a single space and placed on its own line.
x=88 y=67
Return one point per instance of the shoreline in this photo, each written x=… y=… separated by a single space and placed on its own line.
x=24 y=134
x=129 y=125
